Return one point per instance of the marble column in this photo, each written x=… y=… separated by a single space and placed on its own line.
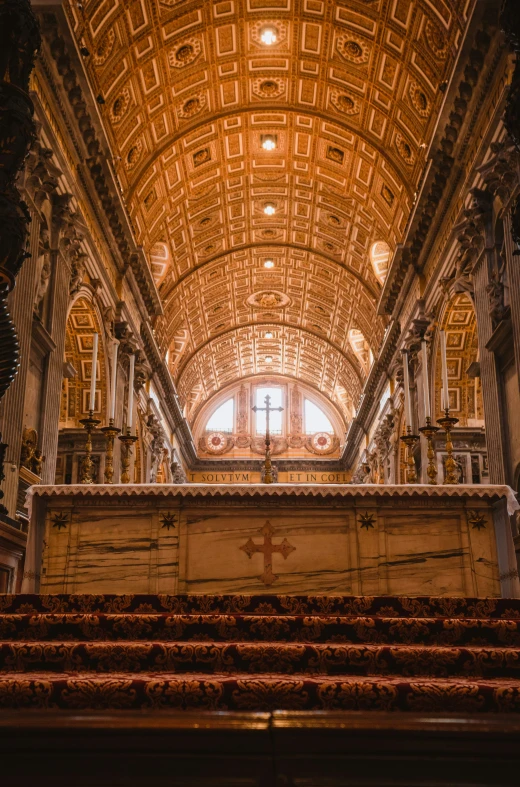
x=491 y=387
x=59 y=299
x=21 y=302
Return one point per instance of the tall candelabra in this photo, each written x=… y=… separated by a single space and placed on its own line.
x=429 y=431
x=110 y=433
x=447 y=423
x=410 y=440
x=89 y=424
x=127 y=441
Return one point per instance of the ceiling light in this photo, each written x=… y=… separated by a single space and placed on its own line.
x=268 y=358
x=268 y=142
x=269 y=209
x=268 y=36
x=269 y=264
x=268 y=335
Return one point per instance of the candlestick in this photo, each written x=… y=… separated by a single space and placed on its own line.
x=406 y=384
x=110 y=433
x=92 y=404
x=127 y=441
x=409 y=440
x=130 y=404
x=426 y=383
x=89 y=424
x=445 y=397
x=112 y=411
x=429 y=431
x=447 y=424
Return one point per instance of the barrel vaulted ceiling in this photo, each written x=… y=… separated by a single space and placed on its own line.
x=349 y=92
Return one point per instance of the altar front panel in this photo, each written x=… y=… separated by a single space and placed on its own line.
x=213 y=559
x=196 y=540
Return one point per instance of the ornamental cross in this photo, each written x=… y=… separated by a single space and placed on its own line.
x=268 y=548
x=268 y=476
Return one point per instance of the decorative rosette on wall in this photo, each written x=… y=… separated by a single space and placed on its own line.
x=322 y=443
x=215 y=443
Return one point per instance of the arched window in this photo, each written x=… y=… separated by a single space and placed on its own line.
x=222 y=419
x=380 y=258
x=315 y=419
x=275 y=418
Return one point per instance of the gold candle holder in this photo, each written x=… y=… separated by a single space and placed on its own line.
x=110 y=433
x=127 y=441
x=429 y=431
x=410 y=440
x=447 y=423
x=89 y=424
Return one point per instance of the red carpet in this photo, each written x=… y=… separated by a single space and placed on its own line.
x=260 y=653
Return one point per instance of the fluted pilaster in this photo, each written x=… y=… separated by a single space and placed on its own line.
x=21 y=302
x=51 y=395
x=491 y=387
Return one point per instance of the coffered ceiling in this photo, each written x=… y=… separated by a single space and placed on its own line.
x=347 y=94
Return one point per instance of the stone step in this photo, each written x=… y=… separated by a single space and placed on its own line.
x=266 y=658
x=257 y=692
x=437 y=631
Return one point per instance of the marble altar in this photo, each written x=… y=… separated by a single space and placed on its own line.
x=252 y=539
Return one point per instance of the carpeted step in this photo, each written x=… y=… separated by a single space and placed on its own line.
x=266 y=658
x=439 y=631
x=257 y=692
x=357 y=606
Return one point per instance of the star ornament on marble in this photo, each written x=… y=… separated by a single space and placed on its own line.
x=476 y=520
x=168 y=520
x=60 y=521
x=367 y=520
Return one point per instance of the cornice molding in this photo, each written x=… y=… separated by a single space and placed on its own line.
x=455 y=122
x=94 y=152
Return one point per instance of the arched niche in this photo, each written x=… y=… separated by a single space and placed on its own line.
x=460 y=324
x=465 y=391
x=82 y=323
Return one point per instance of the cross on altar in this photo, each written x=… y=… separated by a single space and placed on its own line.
x=268 y=548
x=268 y=475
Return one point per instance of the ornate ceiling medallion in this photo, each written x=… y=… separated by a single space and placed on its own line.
x=185 y=53
x=271 y=87
x=404 y=149
x=268 y=299
x=335 y=154
x=436 y=40
x=134 y=154
x=353 y=48
x=104 y=48
x=344 y=103
x=192 y=106
x=120 y=106
x=419 y=99
x=202 y=156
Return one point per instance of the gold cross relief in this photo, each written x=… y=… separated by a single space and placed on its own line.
x=268 y=549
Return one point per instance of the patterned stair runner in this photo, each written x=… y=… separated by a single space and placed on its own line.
x=260 y=653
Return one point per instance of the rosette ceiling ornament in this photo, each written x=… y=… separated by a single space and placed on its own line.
x=267 y=146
